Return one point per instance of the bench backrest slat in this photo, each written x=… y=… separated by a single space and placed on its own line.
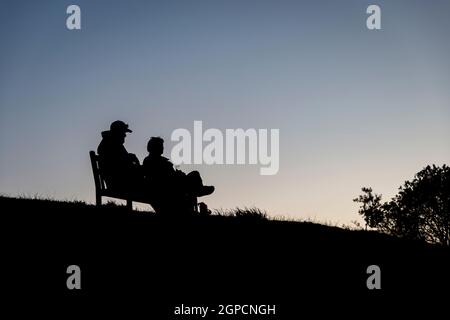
x=98 y=179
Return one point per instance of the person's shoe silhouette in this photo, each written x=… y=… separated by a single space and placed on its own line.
x=205 y=190
x=203 y=209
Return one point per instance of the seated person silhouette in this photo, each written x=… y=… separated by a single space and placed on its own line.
x=172 y=186
x=122 y=170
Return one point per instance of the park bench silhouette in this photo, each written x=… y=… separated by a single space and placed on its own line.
x=101 y=189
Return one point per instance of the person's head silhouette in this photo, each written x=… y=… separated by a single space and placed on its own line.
x=119 y=130
x=155 y=146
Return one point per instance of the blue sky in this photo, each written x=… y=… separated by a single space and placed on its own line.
x=354 y=107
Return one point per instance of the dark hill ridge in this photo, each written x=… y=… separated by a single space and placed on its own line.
x=214 y=259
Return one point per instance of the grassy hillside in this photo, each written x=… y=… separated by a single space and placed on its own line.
x=212 y=259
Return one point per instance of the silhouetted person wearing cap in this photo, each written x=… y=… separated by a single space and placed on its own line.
x=122 y=170
x=170 y=184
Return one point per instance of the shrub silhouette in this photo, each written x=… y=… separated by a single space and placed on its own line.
x=420 y=210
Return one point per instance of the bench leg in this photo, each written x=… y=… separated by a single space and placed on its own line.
x=129 y=205
x=98 y=200
x=195 y=205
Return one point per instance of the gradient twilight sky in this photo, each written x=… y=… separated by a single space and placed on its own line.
x=354 y=107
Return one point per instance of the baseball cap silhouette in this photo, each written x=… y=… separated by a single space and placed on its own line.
x=119 y=126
